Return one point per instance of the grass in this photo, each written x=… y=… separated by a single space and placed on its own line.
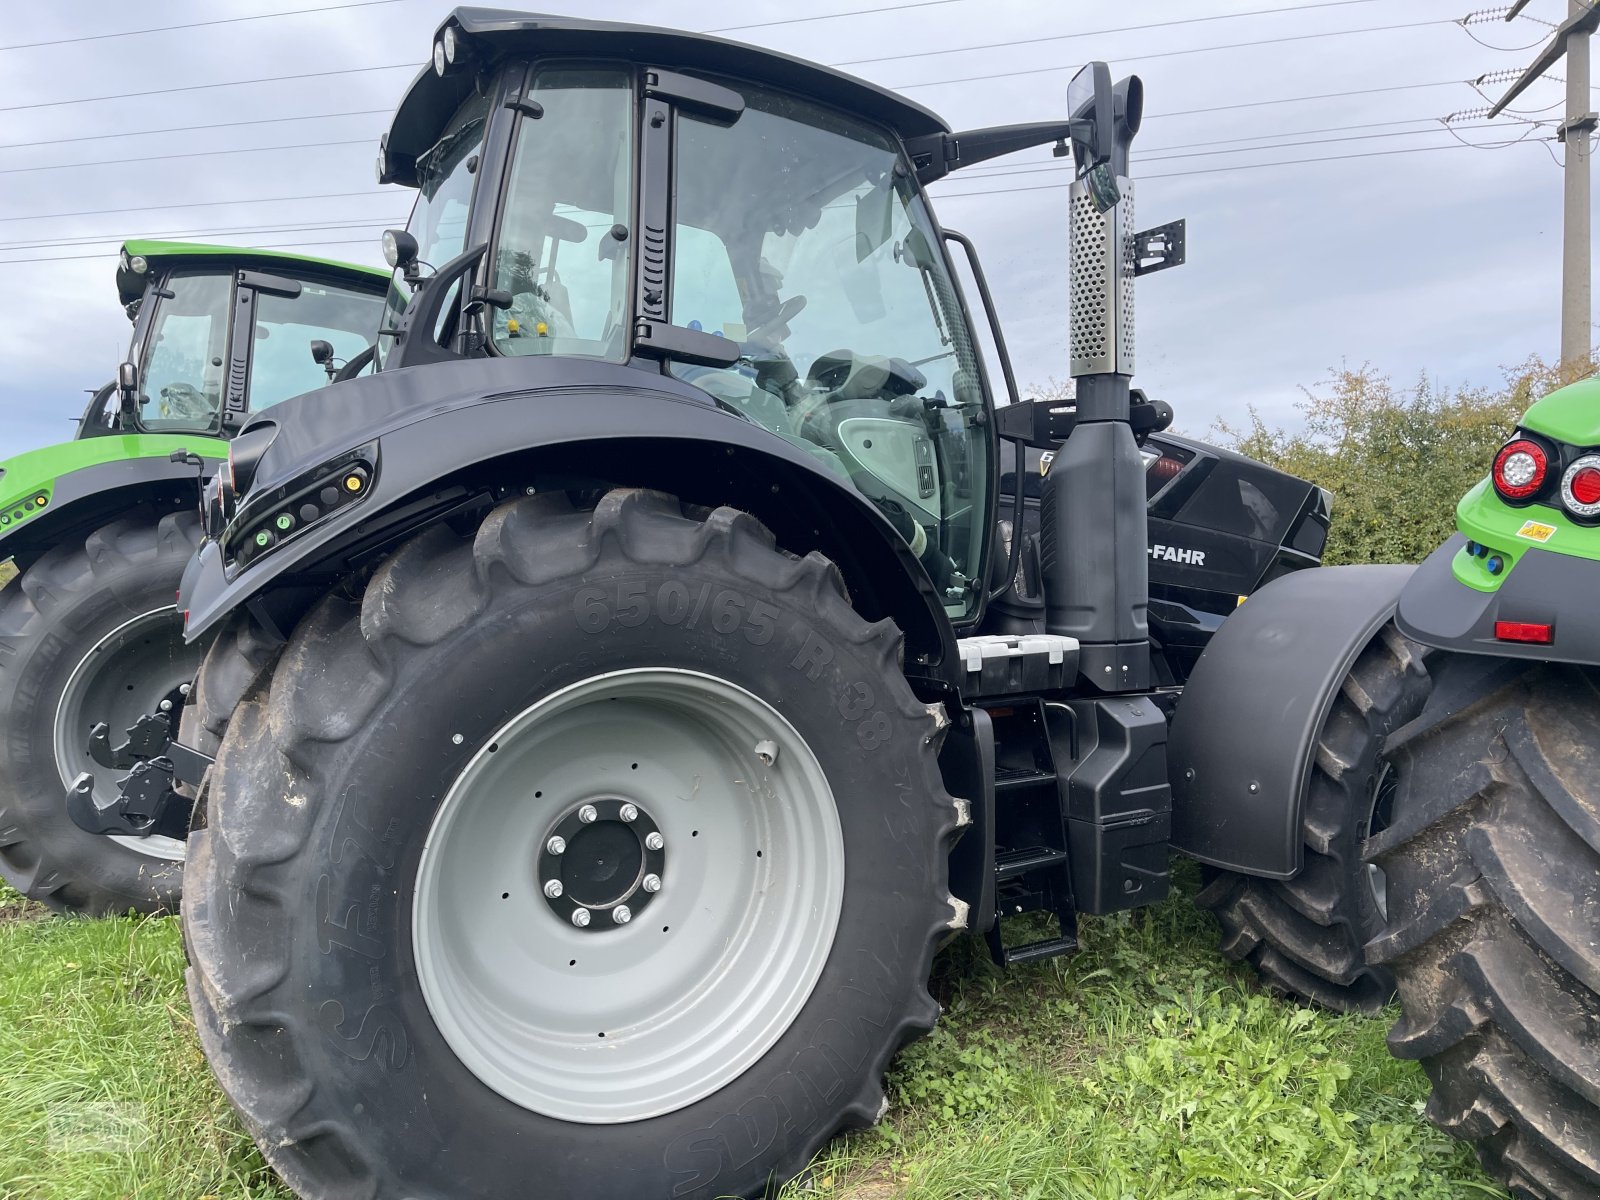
x=1144 y=1068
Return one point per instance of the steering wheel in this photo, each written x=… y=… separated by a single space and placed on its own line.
x=184 y=400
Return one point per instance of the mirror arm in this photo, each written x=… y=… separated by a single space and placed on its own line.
x=936 y=155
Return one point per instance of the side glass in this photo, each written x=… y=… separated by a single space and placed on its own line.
x=281 y=364
x=571 y=186
x=180 y=381
x=446 y=172
x=801 y=236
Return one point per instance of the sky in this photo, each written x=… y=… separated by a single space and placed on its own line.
x=1409 y=251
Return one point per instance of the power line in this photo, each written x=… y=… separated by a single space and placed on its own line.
x=860 y=12
x=105 y=212
x=187 y=234
x=145 y=158
x=1063 y=37
x=202 y=87
x=100 y=137
x=1170 y=153
x=1290 y=162
x=1403 y=87
x=261 y=246
x=1299 y=37
x=100 y=37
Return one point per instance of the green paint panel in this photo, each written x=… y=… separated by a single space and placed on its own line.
x=1570 y=414
x=1509 y=533
x=27 y=476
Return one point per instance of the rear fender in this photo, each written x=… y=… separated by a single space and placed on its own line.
x=1245 y=730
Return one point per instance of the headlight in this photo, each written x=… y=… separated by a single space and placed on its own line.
x=280 y=515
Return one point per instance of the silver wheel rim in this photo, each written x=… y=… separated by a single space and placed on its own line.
x=125 y=675
x=620 y=1022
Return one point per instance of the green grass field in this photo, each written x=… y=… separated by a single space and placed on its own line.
x=1143 y=1069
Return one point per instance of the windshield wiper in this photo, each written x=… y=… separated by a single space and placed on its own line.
x=437 y=152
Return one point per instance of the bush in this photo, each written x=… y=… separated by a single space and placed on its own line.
x=1397 y=461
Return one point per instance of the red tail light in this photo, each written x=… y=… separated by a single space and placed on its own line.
x=1520 y=469
x=1580 y=487
x=1524 y=631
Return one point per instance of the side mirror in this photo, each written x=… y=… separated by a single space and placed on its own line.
x=128 y=380
x=321 y=352
x=1091 y=109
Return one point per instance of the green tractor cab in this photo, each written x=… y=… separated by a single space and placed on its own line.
x=98 y=530
x=1490 y=838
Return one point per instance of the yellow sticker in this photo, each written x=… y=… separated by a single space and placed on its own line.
x=1534 y=531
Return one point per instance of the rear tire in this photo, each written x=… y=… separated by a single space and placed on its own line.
x=1493 y=862
x=1304 y=936
x=356 y=1043
x=88 y=633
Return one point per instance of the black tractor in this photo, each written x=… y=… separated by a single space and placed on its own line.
x=618 y=698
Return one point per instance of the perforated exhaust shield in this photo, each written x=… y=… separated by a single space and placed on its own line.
x=1102 y=283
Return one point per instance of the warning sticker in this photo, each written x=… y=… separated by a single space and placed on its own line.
x=1536 y=531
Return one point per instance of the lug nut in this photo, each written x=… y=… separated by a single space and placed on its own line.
x=655 y=841
x=556 y=845
x=767 y=752
x=580 y=917
x=183 y=689
x=553 y=889
x=629 y=812
x=456 y=739
x=622 y=914
x=166 y=706
x=588 y=814
x=652 y=883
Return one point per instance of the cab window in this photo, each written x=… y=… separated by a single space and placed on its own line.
x=281 y=365
x=180 y=381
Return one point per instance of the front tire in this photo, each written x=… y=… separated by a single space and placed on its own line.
x=1305 y=936
x=380 y=969
x=1494 y=882
x=89 y=633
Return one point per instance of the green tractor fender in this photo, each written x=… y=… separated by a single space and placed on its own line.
x=47 y=494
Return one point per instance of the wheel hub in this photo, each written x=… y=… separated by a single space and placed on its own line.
x=602 y=863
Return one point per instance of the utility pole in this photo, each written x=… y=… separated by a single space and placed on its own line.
x=1571 y=41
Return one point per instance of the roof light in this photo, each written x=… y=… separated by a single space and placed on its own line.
x=452 y=45
x=138 y=264
x=1531 y=632
x=1520 y=469
x=1580 y=487
x=439 y=60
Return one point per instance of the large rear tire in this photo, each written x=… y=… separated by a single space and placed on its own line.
x=1305 y=936
x=384 y=979
x=89 y=633
x=1493 y=861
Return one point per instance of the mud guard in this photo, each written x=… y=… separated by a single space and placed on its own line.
x=1243 y=735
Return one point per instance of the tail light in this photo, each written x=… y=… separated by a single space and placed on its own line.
x=1520 y=469
x=1580 y=487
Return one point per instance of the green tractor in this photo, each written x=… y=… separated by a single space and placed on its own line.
x=1490 y=813
x=93 y=664
x=614 y=701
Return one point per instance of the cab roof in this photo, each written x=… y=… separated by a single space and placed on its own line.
x=492 y=34
x=160 y=255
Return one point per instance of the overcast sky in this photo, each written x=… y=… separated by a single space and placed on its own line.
x=1443 y=259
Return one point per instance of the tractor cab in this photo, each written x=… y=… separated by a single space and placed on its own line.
x=220 y=332
x=745 y=223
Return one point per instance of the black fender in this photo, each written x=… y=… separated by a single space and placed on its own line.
x=480 y=426
x=1544 y=588
x=1244 y=733
x=87 y=498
